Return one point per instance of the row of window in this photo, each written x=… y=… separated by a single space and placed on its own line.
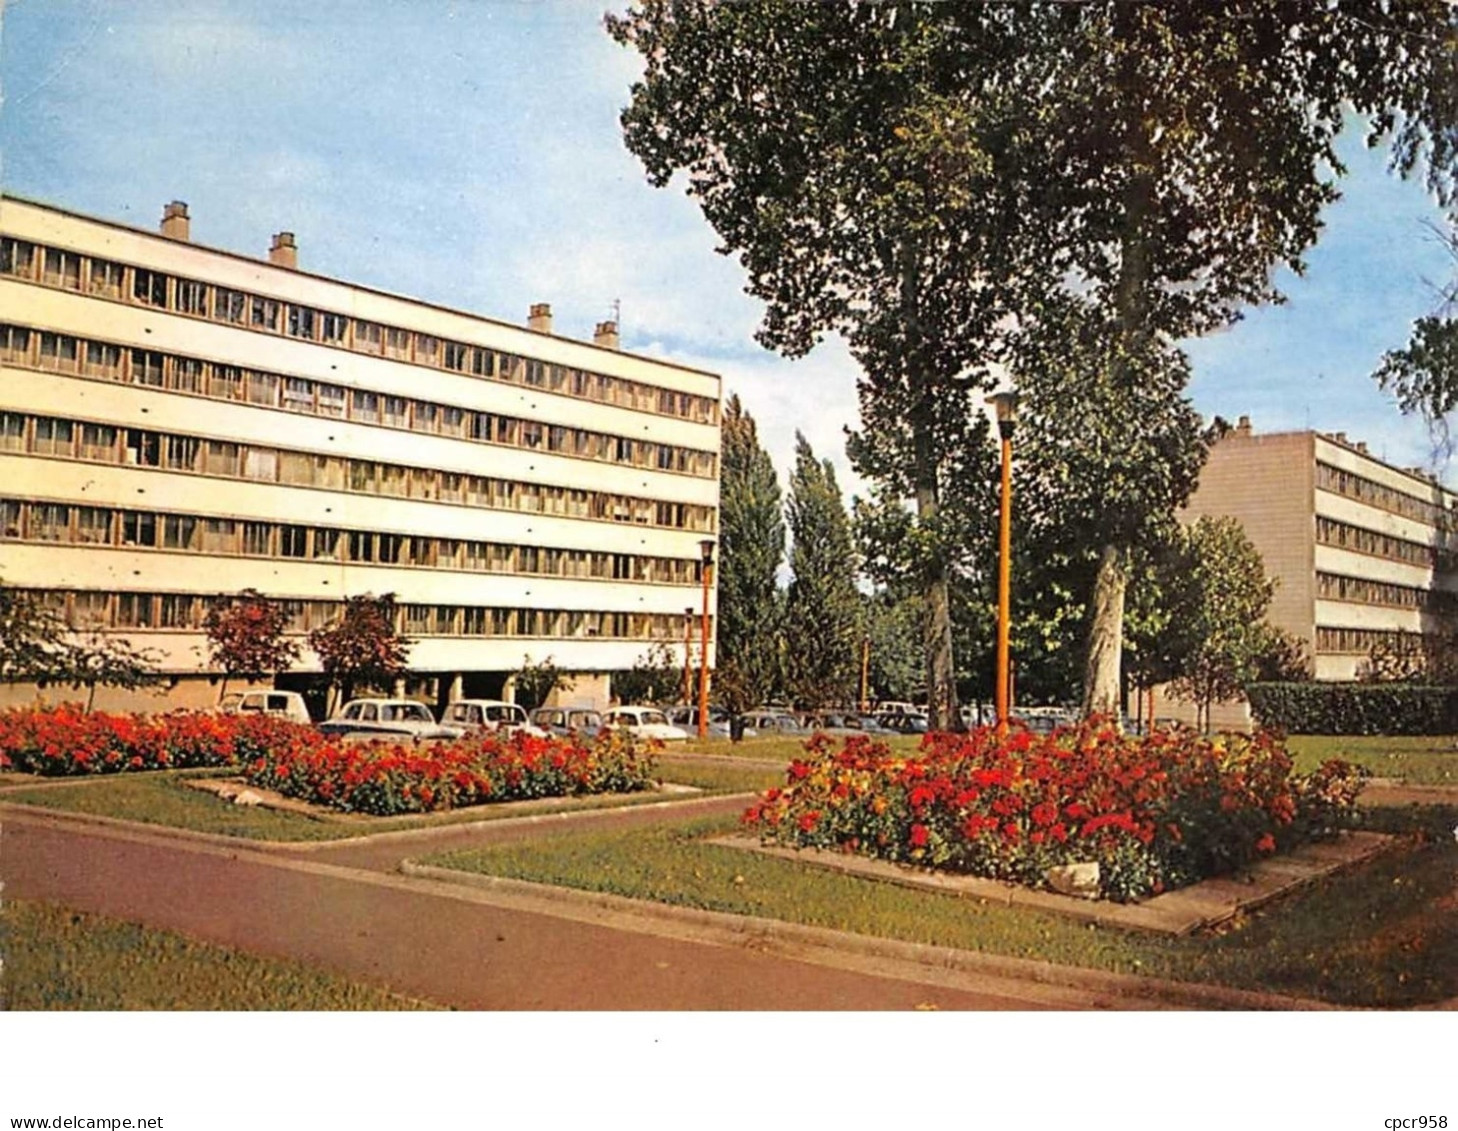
x=105 y=526
x=122 y=282
x=1355 y=486
x=91 y=609
x=1331 y=532
x=1359 y=641
x=139 y=447
x=1364 y=591
x=61 y=353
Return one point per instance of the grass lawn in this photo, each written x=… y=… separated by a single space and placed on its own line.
x=1384 y=936
x=160 y=798
x=1416 y=759
x=782 y=748
x=56 y=958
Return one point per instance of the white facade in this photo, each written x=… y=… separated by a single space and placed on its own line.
x=178 y=422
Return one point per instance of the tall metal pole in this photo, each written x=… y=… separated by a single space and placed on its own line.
x=704 y=654
x=865 y=673
x=1004 y=578
x=688 y=655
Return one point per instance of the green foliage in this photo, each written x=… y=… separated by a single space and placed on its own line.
x=536 y=683
x=823 y=629
x=1355 y=708
x=657 y=678
x=362 y=647
x=894 y=628
x=1217 y=593
x=1424 y=375
x=246 y=637
x=751 y=548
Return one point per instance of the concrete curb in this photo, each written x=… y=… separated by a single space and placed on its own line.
x=426 y=832
x=814 y=943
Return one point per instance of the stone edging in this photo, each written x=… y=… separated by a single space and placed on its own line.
x=813 y=943
x=1175 y=913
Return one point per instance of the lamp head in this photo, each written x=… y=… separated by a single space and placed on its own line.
x=1005 y=407
x=706 y=551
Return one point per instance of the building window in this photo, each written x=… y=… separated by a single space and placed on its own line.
x=134 y=610
x=397 y=344
x=106 y=278
x=258 y=539
x=50 y=522
x=182 y=453
x=144 y=449
x=219 y=536
x=62 y=269
x=98 y=442
x=15 y=345
x=138 y=528
x=103 y=361
x=17 y=258
x=333 y=328
x=176 y=610
x=192 y=297
x=226 y=381
x=332 y=401
x=455 y=356
x=293 y=541
x=11 y=513
x=298 y=395
x=147 y=368
x=230 y=306
x=301 y=322
x=179 y=532
x=149 y=287
x=260 y=463
x=220 y=458
x=369 y=337
x=364 y=406
x=53 y=437
x=59 y=352
x=187 y=375
x=263 y=314
x=395 y=411
x=326 y=544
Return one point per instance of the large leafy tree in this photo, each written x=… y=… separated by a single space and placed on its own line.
x=910 y=175
x=1424 y=373
x=823 y=611
x=363 y=647
x=246 y=637
x=751 y=550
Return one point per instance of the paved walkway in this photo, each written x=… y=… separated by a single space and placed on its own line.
x=345 y=907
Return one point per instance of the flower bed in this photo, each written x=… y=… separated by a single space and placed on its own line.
x=65 y=740
x=1153 y=813
x=382 y=778
x=386 y=778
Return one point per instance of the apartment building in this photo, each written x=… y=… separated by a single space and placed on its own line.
x=1362 y=550
x=178 y=422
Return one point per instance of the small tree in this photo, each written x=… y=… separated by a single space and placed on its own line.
x=98 y=660
x=1218 y=594
x=535 y=682
x=246 y=637
x=363 y=646
x=656 y=678
x=31 y=638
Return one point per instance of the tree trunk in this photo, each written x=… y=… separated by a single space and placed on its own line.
x=941 y=682
x=1106 y=636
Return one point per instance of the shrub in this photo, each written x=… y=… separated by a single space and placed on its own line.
x=1155 y=813
x=1355 y=708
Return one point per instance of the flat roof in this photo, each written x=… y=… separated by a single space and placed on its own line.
x=256 y=261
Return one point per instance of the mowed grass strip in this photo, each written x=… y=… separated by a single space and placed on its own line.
x=161 y=798
x=1414 y=759
x=59 y=959
x=1383 y=936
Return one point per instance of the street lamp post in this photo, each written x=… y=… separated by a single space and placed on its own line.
x=865 y=673
x=706 y=556
x=688 y=656
x=1005 y=405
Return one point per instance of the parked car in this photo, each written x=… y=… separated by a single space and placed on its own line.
x=400 y=718
x=905 y=724
x=285 y=704
x=489 y=714
x=687 y=718
x=772 y=722
x=567 y=721
x=835 y=722
x=645 y=722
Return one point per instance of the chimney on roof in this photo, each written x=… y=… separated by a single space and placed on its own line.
x=539 y=318
x=606 y=335
x=1340 y=437
x=1361 y=446
x=175 y=225
x=284 y=251
x=1242 y=426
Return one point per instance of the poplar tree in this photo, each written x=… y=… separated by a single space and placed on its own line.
x=751 y=550
x=823 y=612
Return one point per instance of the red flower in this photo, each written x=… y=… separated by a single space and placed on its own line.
x=1266 y=845
x=918 y=836
x=809 y=820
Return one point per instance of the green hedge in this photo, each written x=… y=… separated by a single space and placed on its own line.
x=1355 y=708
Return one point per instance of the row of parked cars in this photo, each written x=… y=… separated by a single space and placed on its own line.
x=411 y=718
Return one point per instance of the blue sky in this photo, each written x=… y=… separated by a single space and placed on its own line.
x=469 y=153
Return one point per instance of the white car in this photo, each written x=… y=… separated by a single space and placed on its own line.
x=285 y=704
x=400 y=718
x=644 y=722
x=489 y=714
